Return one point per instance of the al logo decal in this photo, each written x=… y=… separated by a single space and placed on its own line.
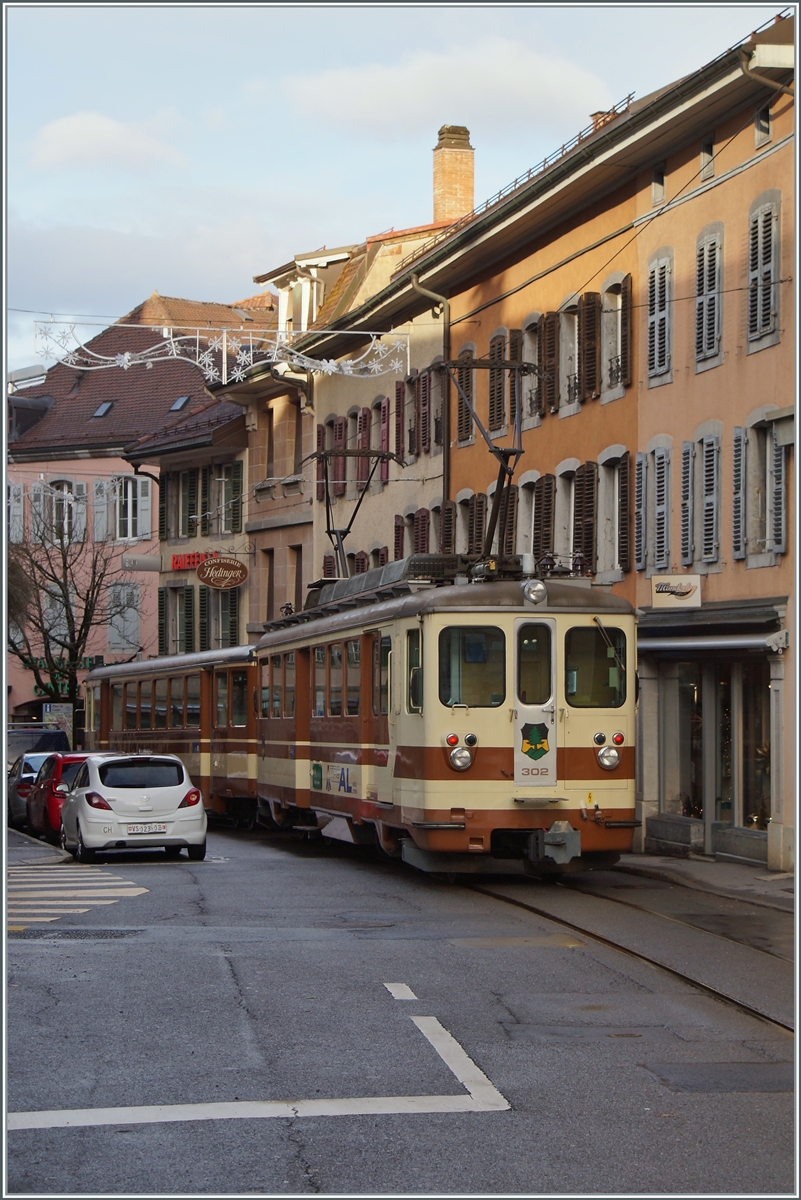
x=535 y=740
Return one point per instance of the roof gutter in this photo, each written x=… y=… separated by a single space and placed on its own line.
x=747 y=56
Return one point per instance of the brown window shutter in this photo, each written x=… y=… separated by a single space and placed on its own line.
x=465 y=420
x=400 y=531
x=414 y=424
x=383 y=469
x=476 y=523
x=340 y=433
x=542 y=531
x=400 y=404
x=363 y=443
x=320 y=469
x=497 y=407
x=507 y=520
x=589 y=334
x=515 y=380
x=624 y=513
x=584 y=509
x=422 y=524
x=625 y=331
x=329 y=566
x=383 y=556
x=550 y=361
x=361 y=563
x=424 y=413
x=447 y=527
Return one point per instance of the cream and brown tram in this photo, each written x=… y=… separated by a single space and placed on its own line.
x=467 y=726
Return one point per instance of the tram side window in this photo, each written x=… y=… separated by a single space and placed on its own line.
x=193 y=701
x=319 y=681
x=221 y=698
x=289 y=685
x=472 y=666
x=239 y=698
x=116 y=706
x=381 y=649
x=265 y=687
x=593 y=674
x=130 y=705
x=276 y=685
x=414 y=689
x=160 y=704
x=176 y=704
x=145 y=705
x=354 y=659
x=335 y=680
x=534 y=664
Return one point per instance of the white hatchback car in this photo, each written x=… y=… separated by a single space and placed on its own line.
x=131 y=800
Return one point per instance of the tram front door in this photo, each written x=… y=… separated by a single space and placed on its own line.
x=535 y=704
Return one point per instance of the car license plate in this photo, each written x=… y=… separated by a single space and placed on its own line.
x=147 y=829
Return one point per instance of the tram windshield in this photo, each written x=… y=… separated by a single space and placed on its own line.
x=595 y=667
x=472 y=666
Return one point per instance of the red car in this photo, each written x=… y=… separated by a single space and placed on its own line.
x=44 y=802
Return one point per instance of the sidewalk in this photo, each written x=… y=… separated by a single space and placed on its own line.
x=25 y=851
x=755 y=885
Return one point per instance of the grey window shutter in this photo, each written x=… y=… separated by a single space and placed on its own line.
x=639 y=511
x=162 y=611
x=661 y=508
x=624 y=513
x=79 y=512
x=204 y=636
x=233 y=617
x=143 y=525
x=659 y=317
x=189 y=620
x=99 y=511
x=687 y=467
x=205 y=501
x=711 y=542
x=16 y=529
x=778 y=513
x=237 y=472
x=761 y=305
x=626 y=309
x=738 y=493
x=707 y=287
x=164 y=490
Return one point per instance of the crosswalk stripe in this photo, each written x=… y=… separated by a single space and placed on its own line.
x=43 y=894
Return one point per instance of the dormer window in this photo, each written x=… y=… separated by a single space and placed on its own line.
x=179 y=404
x=103 y=408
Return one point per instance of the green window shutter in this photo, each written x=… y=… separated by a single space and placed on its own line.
x=164 y=488
x=162 y=620
x=236 y=497
x=189 y=619
x=204 y=638
x=233 y=617
x=191 y=502
x=205 y=477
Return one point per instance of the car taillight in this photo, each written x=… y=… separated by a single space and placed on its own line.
x=96 y=801
x=23 y=790
x=190 y=798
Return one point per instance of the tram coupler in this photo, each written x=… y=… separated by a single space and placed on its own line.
x=560 y=843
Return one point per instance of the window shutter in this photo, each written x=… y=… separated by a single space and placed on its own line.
x=320 y=464
x=589 y=337
x=363 y=443
x=99 y=511
x=476 y=521
x=738 y=493
x=15 y=513
x=543 y=524
x=400 y=530
x=162 y=610
x=659 y=318
x=237 y=473
x=687 y=500
x=79 y=513
x=424 y=418
x=497 y=407
x=204 y=635
x=626 y=308
x=447 y=527
x=760 y=271
x=661 y=509
x=585 y=505
x=361 y=563
x=329 y=566
x=164 y=491
x=383 y=556
x=711 y=541
x=422 y=525
x=205 y=501
x=383 y=469
x=465 y=390
x=144 y=509
x=233 y=617
x=189 y=619
x=549 y=349
x=414 y=421
x=778 y=511
x=37 y=512
x=191 y=502
x=639 y=511
x=624 y=513
x=707 y=287
x=507 y=520
x=339 y=471
x=400 y=404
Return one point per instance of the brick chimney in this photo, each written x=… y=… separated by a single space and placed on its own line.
x=453 y=174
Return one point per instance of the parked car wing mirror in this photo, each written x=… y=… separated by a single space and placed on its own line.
x=61 y=788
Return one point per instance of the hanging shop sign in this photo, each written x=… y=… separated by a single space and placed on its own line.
x=676 y=591
x=222 y=573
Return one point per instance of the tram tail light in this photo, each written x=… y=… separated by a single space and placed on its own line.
x=94 y=800
x=618 y=739
x=191 y=797
x=452 y=739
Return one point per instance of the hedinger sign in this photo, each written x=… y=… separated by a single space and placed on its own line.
x=222 y=573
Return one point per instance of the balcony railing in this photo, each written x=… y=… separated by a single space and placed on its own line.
x=615 y=374
x=572 y=388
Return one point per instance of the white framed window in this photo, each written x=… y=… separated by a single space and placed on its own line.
x=761 y=498
x=568 y=357
x=658 y=184
x=132 y=517
x=530 y=384
x=58 y=511
x=762 y=126
x=707 y=158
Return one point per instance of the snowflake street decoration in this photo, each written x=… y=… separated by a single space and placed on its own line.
x=222 y=354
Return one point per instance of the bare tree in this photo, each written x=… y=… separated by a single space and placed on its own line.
x=66 y=591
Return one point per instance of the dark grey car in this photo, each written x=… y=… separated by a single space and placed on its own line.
x=21 y=778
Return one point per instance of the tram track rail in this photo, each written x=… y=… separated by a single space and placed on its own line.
x=614 y=944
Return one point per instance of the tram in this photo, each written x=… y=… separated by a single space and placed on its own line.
x=467 y=717
x=198 y=706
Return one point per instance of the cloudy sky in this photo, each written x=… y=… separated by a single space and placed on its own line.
x=186 y=149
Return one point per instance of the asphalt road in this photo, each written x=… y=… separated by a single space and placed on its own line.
x=260 y=975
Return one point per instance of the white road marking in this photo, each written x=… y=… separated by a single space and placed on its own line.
x=400 y=991
x=482 y=1097
x=73 y=893
x=24 y=917
x=34 y=891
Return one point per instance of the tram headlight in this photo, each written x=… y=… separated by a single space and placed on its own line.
x=535 y=591
x=608 y=757
x=461 y=758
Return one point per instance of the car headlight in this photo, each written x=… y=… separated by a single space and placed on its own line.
x=609 y=757
x=461 y=758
